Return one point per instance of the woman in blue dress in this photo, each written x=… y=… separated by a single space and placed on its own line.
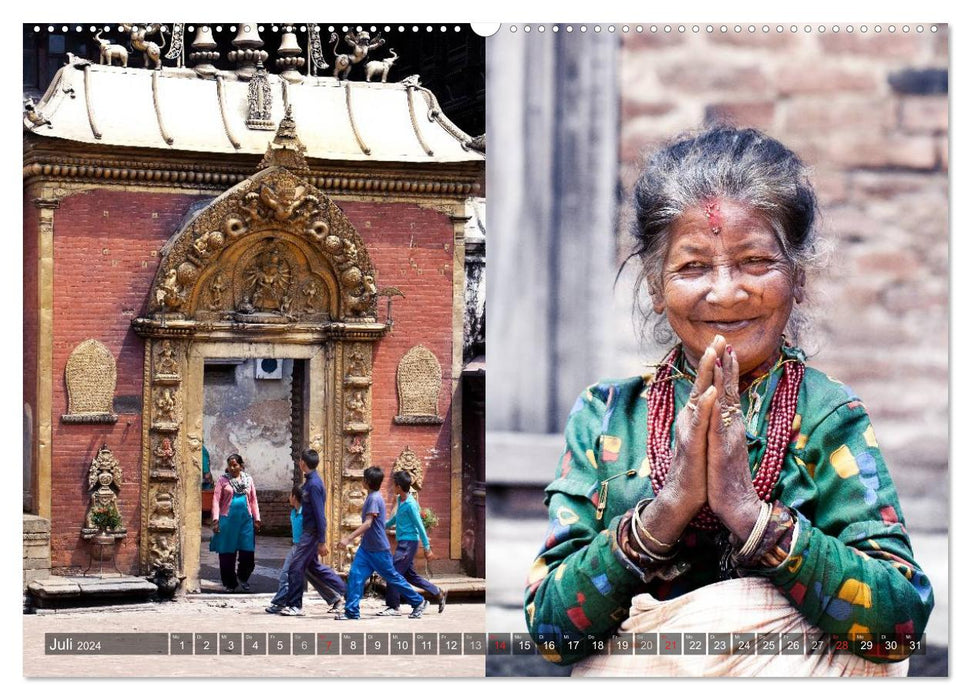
x=235 y=517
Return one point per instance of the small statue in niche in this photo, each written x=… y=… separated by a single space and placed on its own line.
x=162 y=551
x=216 y=289
x=310 y=292
x=355 y=450
x=356 y=365
x=104 y=480
x=165 y=405
x=163 y=515
x=268 y=282
x=164 y=468
x=355 y=407
x=164 y=454
x=166 y=362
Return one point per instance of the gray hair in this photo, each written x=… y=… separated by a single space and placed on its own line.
x=744 y=165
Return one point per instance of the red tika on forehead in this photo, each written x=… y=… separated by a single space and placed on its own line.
x=713 y=214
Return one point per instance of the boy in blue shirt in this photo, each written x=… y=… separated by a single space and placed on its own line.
x=304 y=563
x=408 y=530
x=296 y=528
x=374 y=554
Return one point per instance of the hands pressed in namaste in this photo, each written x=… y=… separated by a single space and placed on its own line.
x=709 y=462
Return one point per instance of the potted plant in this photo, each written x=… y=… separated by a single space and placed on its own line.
x=106 y=519
x=428 y=518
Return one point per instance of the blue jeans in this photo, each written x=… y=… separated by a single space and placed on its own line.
x=304 y=566
x=404 y=564
x=365 y=564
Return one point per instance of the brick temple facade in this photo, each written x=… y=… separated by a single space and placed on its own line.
x=186 y=220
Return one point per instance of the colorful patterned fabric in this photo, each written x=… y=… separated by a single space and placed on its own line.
x=849 y=567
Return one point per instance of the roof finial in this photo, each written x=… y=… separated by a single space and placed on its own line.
x=286 y=151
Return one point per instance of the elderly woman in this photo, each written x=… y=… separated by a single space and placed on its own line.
x=235 y=512
x=734 y=489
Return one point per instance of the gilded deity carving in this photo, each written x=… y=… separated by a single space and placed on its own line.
x=267 y=283
x=217 y=286
x=356 y=364
x=310 y=292
x=169 y=294
x=164 y=465
x=163 y=514
x=166 y=363
x=165 y=405
x=355 y=407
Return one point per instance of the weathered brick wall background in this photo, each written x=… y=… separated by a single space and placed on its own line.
x=411 y=248
x=106 y=245
x=869 y=113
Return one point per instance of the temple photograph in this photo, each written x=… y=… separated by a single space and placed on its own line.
x=250 y=247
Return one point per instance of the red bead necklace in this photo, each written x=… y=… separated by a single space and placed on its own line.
x=660 y=418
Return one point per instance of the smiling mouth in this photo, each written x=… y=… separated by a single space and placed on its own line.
x=729 y=326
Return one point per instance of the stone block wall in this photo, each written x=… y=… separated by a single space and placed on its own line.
x=869 y=113
x=37 y=548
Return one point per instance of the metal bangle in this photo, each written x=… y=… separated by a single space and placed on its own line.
x=765 y=513
x=667 y=556
x=638 y=527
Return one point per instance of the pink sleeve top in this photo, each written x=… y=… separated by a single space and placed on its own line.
x=222 y=496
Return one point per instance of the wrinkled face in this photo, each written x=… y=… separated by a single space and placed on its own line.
x=725 y=274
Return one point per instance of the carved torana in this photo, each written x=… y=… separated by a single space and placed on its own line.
x=90 y=376
x=419 y=384
x=273 y=245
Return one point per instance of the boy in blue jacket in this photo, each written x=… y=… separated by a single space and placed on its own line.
x=304 y=562
x=374 y=554
x=408 y=530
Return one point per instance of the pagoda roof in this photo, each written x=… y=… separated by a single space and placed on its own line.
x=176 y=109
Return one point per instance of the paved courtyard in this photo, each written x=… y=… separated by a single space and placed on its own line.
x=243 y=614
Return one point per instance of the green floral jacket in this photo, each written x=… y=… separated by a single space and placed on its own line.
x=850 y=570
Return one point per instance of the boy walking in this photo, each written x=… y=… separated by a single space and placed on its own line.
x=409 y=529
x=296 y=526
x=374 y=554
x=311 y=545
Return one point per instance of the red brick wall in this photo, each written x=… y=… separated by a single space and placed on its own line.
x=105 y=255
x=411 y=249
